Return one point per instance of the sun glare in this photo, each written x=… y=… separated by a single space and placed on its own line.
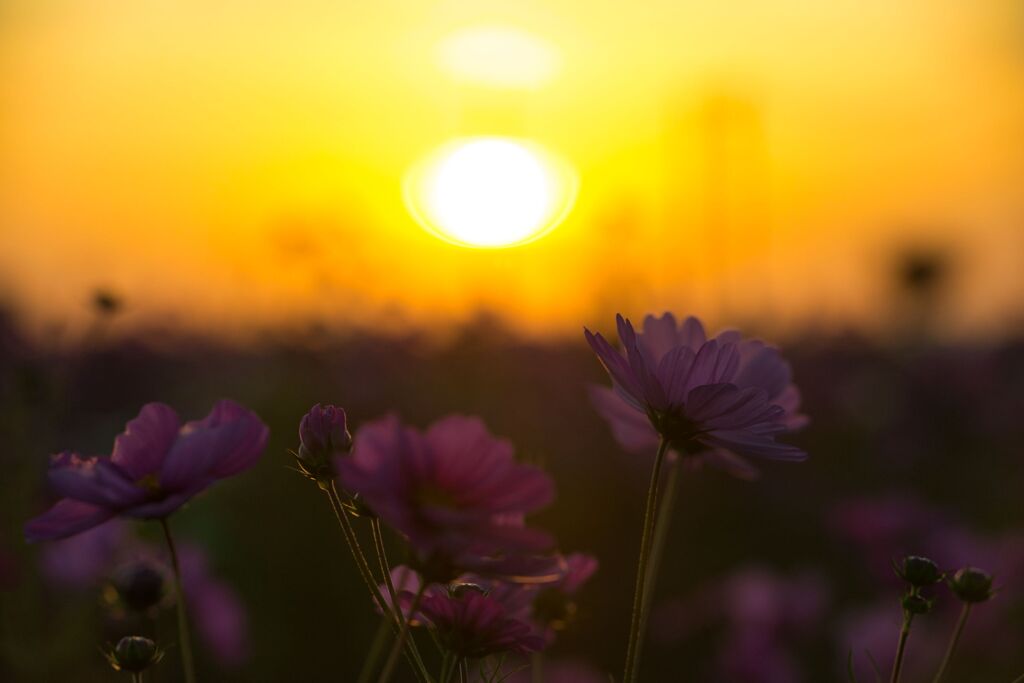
x=490 y=192
x=499 y=56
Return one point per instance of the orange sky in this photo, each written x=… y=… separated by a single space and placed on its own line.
x=240 y=163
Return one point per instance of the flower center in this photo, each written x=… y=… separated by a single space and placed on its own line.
x=678 y=430
x=150 y=483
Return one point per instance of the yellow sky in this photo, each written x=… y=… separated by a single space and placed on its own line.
x=228 y=164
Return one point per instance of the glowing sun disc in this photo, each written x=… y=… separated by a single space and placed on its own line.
x=490 y=192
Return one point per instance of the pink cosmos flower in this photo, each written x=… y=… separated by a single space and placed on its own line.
x=472 y=625
x=455 y=491
x=156 y=466
x=714 y=399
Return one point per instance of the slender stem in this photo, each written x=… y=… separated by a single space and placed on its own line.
x=901 y=646
x=368 y=579
x=537 y=667
x=184 y=638
x=1018 y=679
x=446 y=668
x=389 y=666
x=357 y=554
x=957 y=631
x=665 y=510
x=635 y=635
x=376 y=649
x=136 y=677
x=463 y=671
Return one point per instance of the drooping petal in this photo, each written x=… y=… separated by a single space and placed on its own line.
x=745 y=442
x=93 y=480
x=146 y=440
x=631 y=428
x=66 y=518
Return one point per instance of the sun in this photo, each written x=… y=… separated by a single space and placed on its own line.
x=490 y=192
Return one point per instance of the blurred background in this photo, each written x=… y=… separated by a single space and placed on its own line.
x=371 y=203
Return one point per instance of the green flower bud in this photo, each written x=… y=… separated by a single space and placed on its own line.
x=135 y=654
x=971 y=585
x=919 y=572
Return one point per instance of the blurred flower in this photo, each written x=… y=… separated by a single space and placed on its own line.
x=84 y=559
x=323 y=435
x=766 y=617
x=715 y=399
x=455 y=491
x=140 y=585
x=156 y=466
x=110 y=552
x=471 y=624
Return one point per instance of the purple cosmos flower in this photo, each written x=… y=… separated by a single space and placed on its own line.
x=156 y=466
x=473 y=625
x=455 y=491
x=715 y=399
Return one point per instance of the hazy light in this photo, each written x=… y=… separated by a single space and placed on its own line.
x=499 y=56
x=490 y=192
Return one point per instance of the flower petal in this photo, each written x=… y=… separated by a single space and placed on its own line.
x=66 y=518
x=93 y=480
x=632 y=428
x=618 y=369
x=146 y=440
x=653 y=393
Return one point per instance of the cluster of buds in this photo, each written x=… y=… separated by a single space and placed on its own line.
x=919 y=573
x=970 y=585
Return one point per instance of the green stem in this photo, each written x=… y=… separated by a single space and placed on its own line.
x=184 y=638
x=537 y=667
x=446 y=668
x=385 y=568
x=661 y=528
x=901 y=646
x=957 y=631
x=399 y=646
x=635 y=635
x=376 y=649
x=137 y=677
x=366 y=573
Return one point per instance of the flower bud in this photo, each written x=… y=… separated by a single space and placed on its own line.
x=971 y=585
x=919 y=572
x=323 y=434
x=135 y=654
x=140 y=586
x=915 y=603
